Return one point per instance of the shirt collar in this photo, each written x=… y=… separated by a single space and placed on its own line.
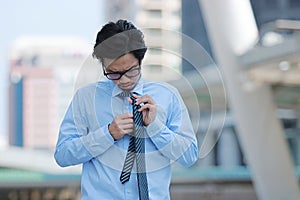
x=138 y=89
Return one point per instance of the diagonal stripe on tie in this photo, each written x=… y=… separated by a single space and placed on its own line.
x=129 y=160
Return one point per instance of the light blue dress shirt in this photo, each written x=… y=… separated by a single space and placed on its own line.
x=84 y=139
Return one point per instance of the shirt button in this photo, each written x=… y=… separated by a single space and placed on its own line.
x=128 y=191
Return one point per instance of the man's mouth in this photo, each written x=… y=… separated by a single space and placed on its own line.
x=126 y=85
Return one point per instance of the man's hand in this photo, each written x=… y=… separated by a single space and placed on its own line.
x=121 y=125
x=148 y=109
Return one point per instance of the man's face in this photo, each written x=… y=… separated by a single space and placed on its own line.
x=127 y=62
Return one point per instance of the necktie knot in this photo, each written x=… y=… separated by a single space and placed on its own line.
x=125 y=94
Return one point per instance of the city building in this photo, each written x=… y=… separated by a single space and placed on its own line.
x=269 y=62
x=119 y=9
x=160 y=21
x=42 y=81
x=193 y=26
x=37 y=81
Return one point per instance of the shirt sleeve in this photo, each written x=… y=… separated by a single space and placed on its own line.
x=173 y=135
x=76 y=143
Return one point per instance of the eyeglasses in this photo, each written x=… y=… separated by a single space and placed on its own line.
x=130 y=73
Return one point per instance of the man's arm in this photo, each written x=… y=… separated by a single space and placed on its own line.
x=175 y=140
x=172 y=135
x=76 y=143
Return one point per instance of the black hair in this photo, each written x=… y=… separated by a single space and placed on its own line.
x=117 y=39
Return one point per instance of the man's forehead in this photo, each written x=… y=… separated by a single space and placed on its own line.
x=127 y=59
x=108 y=61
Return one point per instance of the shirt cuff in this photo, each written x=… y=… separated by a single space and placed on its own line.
x=98 y=142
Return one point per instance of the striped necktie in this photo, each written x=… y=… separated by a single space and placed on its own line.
x=136 y=149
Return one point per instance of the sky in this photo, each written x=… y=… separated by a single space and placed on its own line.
x=42 y=18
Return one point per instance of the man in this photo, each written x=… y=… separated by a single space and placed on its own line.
x=100 y=128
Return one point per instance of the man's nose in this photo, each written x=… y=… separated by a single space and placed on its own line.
x=124 y=79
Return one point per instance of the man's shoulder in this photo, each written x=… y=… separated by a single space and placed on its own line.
x=92 y=87
x=160 y=86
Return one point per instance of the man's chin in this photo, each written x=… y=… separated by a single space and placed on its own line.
x=126 y=87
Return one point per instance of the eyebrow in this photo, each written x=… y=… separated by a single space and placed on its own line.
x=111 y=71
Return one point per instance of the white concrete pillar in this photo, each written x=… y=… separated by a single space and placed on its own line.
x=232 y=30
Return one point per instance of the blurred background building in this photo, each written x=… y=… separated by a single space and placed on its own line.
x=45 y=71
x=42 y=76
x=159 y=20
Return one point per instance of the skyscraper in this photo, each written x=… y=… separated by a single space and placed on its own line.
x=160 y=21
x=42 y=78
x=193 y=26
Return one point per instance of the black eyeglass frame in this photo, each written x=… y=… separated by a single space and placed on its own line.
x=122 y=73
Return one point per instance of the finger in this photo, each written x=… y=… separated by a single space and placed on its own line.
x=147 y=107
x=128 y=131
x=127 y=126
x=135 y=96
x=126 y=122
x=130 y=100
x=136 y=99
x=146 y=99
x=125 y=116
